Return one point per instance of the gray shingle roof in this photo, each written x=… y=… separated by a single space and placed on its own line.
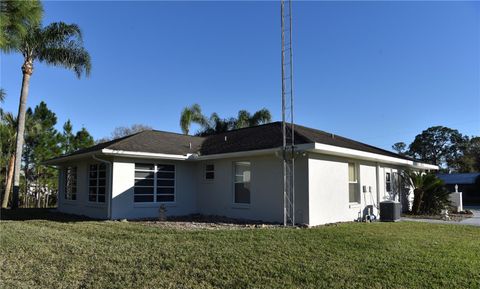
x=253 y=138
x=270 y=136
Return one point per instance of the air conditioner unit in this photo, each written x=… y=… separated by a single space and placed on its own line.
x=390 y=211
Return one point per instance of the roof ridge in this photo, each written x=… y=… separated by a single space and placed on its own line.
x=120 y=140
x=247 y=127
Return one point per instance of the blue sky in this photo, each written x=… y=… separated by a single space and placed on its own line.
x=377 y=72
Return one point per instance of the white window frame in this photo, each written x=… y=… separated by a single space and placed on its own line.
x=206 y=171
x=70 y=193
x=97 y=186
x=356 y=182
x=234 y=166
x=155 y=172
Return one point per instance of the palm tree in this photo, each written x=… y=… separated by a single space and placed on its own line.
x=245 y=119
x=189 y=115
x=428 y=192
x=215 y=124
x=16 y=16
x=58 y=44
x=8 y=133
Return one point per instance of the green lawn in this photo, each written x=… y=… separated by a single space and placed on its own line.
x=96 y=254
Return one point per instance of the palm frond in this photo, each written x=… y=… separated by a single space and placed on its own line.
x=2 y=95
x=185 y=120
x=243 y=119
x=61 y=44
x=16 y=18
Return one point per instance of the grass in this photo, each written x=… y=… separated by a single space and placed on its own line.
x=69 y=253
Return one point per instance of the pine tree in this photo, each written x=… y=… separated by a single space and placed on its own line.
x=83 y=139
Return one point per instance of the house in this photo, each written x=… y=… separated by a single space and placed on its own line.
x=238 y=174
x=468 y=184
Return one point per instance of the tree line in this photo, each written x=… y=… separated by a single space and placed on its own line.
x=447 y=148
x=38 y=182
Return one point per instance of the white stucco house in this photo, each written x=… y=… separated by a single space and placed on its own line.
x=237 y=174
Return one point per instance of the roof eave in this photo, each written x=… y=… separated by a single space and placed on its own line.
x=134 y=154
x=62 y=159
x=356 y=154
x=237 y=154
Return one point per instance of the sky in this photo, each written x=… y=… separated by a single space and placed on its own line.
x=377 y=72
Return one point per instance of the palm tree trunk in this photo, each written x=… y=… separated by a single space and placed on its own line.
x=8 y=186
x=417 y=200
x=27 y=70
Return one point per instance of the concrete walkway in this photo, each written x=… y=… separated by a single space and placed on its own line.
x=473 y=221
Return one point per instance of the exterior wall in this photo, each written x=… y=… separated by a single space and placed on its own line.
x=329 y=192
x=80 y=206
x=266 y=194
x=123 y=205
x=329 y=195
x=321 y=185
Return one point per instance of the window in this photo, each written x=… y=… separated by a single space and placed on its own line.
x=154 y=183
x=353 y=185
x=165 y=189
x=209 y=172
x=71 y=183
x=96 y=183
x=144 y=183
x=388 y=182
x=242 y=183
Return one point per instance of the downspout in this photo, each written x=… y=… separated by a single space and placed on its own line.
x=378 y=186
x=109 y=205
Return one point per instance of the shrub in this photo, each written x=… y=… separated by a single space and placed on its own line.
x=430 y=194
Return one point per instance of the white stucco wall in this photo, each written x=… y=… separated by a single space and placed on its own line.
x=321 y=185
x=80 y=206
x=123 y=205
x=328 y=190
x=266 y=199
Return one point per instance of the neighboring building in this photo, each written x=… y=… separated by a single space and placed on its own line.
x=468 y=184
x=236 y=174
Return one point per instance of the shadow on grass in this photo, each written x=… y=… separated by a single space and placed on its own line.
x=50 y=214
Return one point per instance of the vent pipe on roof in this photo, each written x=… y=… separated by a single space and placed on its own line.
x=333 y=136
x=225 y=138
x=190 y=145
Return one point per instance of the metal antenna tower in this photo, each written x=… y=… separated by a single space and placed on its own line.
x=287 y=115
